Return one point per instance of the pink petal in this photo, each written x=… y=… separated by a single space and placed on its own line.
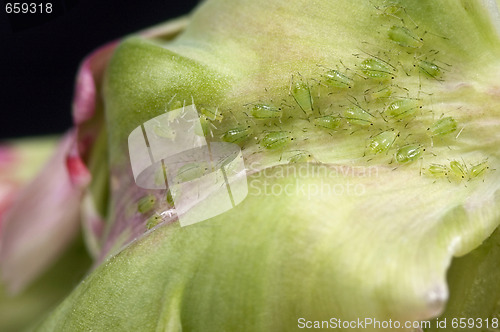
x=38 y=221
x=42 y=220
x=89 y=76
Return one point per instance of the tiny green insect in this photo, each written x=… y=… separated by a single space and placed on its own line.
x=236 y=135
x=192 y=171
x=328 y=122
x=377 y=68
x=429 y=69
x=266 y=111
x=336 y=79
x=357 y=115
x=174 y=105
x=409 y=153
x=204 y=127
x=437 y=170
x=146 y=203
x=404 y=37
x=402 y=108
x=458 y=170
x=301 y=157
x=383 y=141
x=382 y=93
x=389 y=8
x=211 y=113
x=478 y=169
x=276 y=140
x=164 y=131
x=153 y=221
x=302 y=94
x=443 y=126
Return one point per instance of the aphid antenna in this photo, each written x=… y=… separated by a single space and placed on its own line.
x=460 y=132
x=437 y=35
x=464 y=164
x=406 y=90
x=403 y=68
x=290 y=86
x=170 y=101
x=323 y=66
x=283 y=102
x=234 y=118
x=380 y=59
x=363 y=77
x=380 y=49
x=411 y=19
x=346 y=68
x=319 y=83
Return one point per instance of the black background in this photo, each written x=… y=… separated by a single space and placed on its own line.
x=40 y=55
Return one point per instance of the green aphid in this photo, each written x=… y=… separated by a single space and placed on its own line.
x=409 y=153
x=438 y=170
x=458 y=170
x=382 y=93
x=358 y=116
x=192 y=171
x=404 y=37
x=389 y=8
x=276 y=140
x=212 y=114
x=204 y=127
x=328 y=122
x=266 y=111
x=302 y=95
x=402 y=108
x=392 y=9
x=377 y=69
x=236 y=135
x=443 y=126
x=383 y=141
x=429 y=69
x=164 y=131
x=477 y=170
x=153 y=221
x=175 y=105
x=301 y=157
x=336 y=79
x=146 y=203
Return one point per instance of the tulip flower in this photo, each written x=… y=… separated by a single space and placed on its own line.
x=370 y=136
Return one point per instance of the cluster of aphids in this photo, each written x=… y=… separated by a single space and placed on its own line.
x=457 y=171
x=397 y=119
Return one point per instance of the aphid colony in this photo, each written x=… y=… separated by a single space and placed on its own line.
x=380 y=96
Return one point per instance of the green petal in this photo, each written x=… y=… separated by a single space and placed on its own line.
x=474 y=288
